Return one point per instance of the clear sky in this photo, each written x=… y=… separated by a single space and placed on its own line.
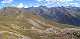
x=36 y=3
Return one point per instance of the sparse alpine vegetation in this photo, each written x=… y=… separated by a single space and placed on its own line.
x=20 y=23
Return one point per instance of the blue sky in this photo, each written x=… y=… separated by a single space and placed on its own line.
x=36 y=3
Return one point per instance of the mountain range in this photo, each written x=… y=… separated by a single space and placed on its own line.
x=65 y=15
x=40 y=23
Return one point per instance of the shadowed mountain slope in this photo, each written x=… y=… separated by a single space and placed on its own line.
x=65 y=15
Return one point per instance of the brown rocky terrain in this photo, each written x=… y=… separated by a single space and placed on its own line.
x=18 y=23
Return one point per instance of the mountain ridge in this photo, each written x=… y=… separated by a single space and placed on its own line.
x=69 y=15
x=30 y=23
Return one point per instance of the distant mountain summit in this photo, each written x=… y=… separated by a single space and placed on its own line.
x=66 y=15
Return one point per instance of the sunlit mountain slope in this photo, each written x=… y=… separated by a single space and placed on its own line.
x=18 y=23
